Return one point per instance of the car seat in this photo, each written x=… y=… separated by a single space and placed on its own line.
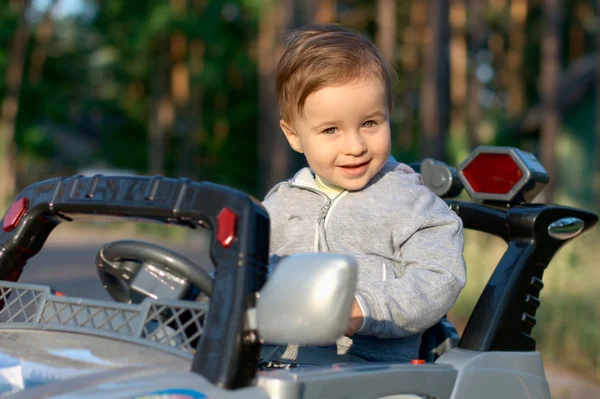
x=437 y=340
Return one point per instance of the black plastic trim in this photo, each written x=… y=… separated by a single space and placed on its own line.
x=223 y=357
x=505 y=313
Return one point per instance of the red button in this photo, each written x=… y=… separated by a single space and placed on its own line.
x=417 y=361
x=14 y=214
x=226 y=226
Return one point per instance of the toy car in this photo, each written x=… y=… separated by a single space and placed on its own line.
x=162 y=338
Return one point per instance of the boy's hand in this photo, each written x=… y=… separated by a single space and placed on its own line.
x=356 y=319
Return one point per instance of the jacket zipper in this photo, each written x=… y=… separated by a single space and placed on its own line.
x=323 y=212
x=321 y=225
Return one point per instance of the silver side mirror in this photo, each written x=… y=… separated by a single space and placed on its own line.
x=307 y=300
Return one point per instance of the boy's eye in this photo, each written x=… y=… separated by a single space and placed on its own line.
x=369 y=124
x=330 y=130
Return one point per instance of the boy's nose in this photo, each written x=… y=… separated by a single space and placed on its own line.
x=354 y=145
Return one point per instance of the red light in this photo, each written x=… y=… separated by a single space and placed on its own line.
x=14 y=214
x=417 y=361
x=226 y=225
x=493 y=173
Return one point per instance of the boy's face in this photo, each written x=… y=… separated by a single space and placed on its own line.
x=344 y=132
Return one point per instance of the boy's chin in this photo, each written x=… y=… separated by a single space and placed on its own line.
x=354 y=186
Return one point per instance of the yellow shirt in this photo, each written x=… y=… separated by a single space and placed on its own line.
x=329 y=189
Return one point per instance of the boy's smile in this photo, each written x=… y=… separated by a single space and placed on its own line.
x=344 y=132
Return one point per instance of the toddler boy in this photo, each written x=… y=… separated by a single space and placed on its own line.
x=335 y=95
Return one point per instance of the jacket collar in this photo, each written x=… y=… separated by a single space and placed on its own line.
x=305 y=177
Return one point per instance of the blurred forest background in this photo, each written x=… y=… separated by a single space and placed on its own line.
x=186 y=88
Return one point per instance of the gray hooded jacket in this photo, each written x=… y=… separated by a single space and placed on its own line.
x=407 y=241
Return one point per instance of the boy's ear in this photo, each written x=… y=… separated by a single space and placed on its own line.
x=291 y=136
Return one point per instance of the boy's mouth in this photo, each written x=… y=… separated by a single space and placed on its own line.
x=356 y=169
x=355 y=166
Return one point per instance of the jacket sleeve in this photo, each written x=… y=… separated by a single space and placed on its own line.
x=272 y=204
x=433 y=275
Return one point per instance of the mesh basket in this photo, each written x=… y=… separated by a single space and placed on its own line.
x=170 y=324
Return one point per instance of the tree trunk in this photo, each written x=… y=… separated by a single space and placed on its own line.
x=458 y=66
x=162 y=113
x=386 y=29
x=191 y=152
x=274 y=151
x=188 y=94
x=277 y=161
x=514 y=58
x=180 y=93
x=576 y=44
x=550 y=76
x=498 y=47
x=170 y=91
x=596 y=164
x=387 y=32
x=476 y=10
x=44 y=33
x=435 y=98
x=326 y=12
x=10 y=105
x=412 y=37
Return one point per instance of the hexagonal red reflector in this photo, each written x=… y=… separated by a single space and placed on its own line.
x=226 y=227
x=492 y=173
x=15 y=213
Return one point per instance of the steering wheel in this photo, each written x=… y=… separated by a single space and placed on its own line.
x=119 y=263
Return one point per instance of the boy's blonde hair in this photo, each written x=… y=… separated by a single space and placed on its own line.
x=317 y=56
